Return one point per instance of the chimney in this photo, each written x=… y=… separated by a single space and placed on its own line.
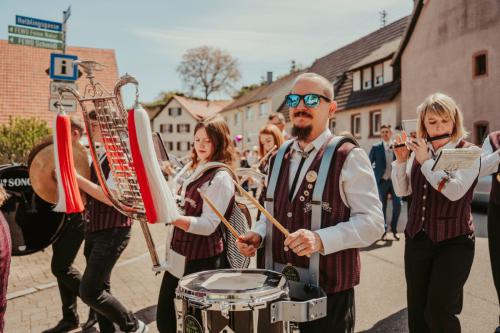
x=269 y=77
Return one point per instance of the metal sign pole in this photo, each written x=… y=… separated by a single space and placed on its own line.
x=66 y=15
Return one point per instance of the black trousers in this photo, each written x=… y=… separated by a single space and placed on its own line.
x=494 y=243
x=340 y=316
x=64 y=252
x=165 y=311
x=435 y=277
x=102 y=250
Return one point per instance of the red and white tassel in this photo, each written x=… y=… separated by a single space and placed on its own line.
x=158 y=199
x=68 y=193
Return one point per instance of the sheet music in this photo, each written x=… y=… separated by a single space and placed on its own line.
x=454 y=159
x=410 y=125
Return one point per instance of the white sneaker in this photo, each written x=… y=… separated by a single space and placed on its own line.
x=141 y=327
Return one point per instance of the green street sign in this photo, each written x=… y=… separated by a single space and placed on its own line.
x=35 y=43
x=34 y=32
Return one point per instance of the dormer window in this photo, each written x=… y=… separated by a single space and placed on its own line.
x=367 y=78
x=378 y=71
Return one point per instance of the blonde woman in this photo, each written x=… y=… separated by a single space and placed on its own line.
x=439 y=247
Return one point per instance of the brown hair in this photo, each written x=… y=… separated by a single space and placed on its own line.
x=444 y=107
x=277 y=137
x=220 y=136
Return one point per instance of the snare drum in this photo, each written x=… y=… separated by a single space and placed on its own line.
x=229 y=300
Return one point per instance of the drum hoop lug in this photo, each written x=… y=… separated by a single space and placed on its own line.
x=292 y=311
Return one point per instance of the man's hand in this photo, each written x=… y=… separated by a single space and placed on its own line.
x=248 y=243
x=304 y=242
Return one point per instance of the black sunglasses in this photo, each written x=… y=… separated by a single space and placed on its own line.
x=310 y=100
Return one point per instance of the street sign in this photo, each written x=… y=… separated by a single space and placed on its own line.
x=37 y=23
x=54 y=86
x=34 y=43
x=66 y=14
x=34 y=32
x=63 y=67
x=68 y=104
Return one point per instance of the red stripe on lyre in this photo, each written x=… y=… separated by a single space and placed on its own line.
x=74 y=202
x=140 y=169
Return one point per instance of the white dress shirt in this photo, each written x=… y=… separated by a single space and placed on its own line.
x=358 y=191
x=219 y=191
x=489 y=159
x=458 y=184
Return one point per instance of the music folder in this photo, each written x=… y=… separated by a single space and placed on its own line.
x=454 y=159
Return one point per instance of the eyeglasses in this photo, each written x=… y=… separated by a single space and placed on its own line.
x=310 y=100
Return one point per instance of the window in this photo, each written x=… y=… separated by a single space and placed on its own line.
x=367 y=78
x=263 y=110
x=480 y=131
x=174 y=112
x=356 y=81
x=332 y=125
x=356 y=125
x=166 y=128
x=379 y=75
x=387 y=71
x=237 y=118
x=248 y=113
x=183 y=145
x=375 y=121
x=183 y=128
x=480 y=64
x=169 y=145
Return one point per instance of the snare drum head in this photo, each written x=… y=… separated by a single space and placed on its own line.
x=233 y=284
x=32 y=222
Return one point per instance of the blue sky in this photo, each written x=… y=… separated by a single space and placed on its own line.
x=149 y=37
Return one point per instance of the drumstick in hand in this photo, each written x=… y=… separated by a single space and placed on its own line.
x=263 y=210
x=216 y=211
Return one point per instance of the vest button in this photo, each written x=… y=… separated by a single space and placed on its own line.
x=424 y=197
x=423 y=218
x=423 y=208
x=425 y=185
x=289 y=214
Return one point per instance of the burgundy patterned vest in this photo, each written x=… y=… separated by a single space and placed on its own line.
x=495 y=182
x=435 y=214
x=198 y=246
x=338 y=271
x=98 y=215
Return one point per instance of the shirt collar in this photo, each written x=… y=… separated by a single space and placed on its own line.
x=316 y=143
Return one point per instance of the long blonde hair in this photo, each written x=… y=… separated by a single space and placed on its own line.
x=442 y=106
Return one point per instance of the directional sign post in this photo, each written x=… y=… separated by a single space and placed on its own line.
x=35 y=33
x=68 y=104
x=34 y=43
x=37 y=23
x=54 y=86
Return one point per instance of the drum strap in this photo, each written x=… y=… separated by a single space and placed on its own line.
x=317 y=197
x=275 y=172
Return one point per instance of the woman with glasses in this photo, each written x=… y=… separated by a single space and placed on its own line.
x=439 y=247
x=198 y=236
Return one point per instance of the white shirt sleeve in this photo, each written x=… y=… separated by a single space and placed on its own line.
x=220 y=192
x=359 y=192
x=489 y=159
x=400 y=177
x=458 y=183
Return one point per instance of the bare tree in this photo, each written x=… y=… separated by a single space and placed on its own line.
x=208 y=70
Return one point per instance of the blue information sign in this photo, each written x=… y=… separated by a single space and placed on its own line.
x=63 y=67
x=37 y=23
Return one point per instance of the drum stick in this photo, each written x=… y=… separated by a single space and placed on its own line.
x=263 y=210
x=216 y=211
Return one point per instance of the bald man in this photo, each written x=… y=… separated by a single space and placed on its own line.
x=329 y=227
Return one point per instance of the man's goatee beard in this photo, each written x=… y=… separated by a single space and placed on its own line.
x=302 y=133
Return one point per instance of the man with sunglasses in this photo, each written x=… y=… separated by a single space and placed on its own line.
x=350 y=215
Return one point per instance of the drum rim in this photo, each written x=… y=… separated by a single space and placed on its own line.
x=243 y=298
